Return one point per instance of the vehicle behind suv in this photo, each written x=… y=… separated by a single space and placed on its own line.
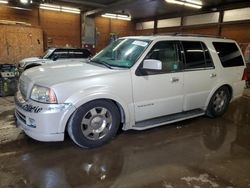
x=52 y=55
x=247 y=58
x=134 y=83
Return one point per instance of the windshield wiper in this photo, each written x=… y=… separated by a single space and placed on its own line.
x=102 y=63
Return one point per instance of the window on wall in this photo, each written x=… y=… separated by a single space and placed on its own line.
x=167 y=52
x=229 y=54
x=196 y=55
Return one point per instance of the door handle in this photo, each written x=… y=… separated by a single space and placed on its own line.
x=213 y=75
x=175 y=79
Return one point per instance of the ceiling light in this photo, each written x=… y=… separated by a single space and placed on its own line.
x=24 y=1
x=190 y=3
x=194 y=2
x=71 y=10
x=117 y=16
x=50 y=7
x=3 y=1
x=60 y=8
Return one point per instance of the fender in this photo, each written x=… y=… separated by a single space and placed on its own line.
x=83 y=98
x=218 y=85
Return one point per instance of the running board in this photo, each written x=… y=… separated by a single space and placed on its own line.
x=141 y=125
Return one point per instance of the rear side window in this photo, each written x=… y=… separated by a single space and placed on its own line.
x=229 y=54
x=196 y=55
x=81 y=53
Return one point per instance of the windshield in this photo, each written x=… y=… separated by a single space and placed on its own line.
x=121 y=53
x=47 y=53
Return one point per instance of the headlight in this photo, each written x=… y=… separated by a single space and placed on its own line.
x=43 y=94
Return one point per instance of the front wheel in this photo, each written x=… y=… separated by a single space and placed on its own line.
x=219 y=102
x=94 y=124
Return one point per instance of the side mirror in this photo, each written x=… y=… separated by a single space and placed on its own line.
x=152 y=64
x=55 y=58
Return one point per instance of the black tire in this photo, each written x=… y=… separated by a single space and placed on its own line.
x=84 y=134
x=220 y=98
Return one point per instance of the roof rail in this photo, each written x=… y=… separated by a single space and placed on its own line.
x=190 y=35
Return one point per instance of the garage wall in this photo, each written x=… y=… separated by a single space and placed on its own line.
x=231 y=23
x=239 y=32
x=105 y=27
x=60 y=29
x=17 y=42
x=29 y=16
x=52 y=29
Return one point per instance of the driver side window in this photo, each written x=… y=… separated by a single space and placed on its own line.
x=167 y=52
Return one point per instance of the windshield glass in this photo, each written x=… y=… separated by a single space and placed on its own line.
x=47 y=53
x=121 y=53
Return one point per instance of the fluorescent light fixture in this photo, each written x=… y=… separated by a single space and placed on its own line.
x=117 y=16
x=196 y=2
x=60 y=8
x=3 y=1
x=190 y=3
x=71 y=10
x=24 y=1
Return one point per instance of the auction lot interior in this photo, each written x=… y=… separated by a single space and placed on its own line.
x=39 y=36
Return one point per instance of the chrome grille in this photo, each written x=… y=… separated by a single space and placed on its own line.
x=21 y=116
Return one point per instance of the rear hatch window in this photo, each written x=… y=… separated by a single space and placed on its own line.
x=229 y=54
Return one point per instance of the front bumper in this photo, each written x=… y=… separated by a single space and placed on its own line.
x=42 y=122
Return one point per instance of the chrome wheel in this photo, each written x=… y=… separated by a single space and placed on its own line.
x=220 y=101
x=96 y=123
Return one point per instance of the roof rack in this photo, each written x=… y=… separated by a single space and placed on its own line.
x=190 y=35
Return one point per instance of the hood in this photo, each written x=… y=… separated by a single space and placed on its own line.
x=49 y=75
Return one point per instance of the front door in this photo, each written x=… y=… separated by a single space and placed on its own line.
x=159 y=93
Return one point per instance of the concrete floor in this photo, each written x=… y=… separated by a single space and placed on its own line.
x=197 y=153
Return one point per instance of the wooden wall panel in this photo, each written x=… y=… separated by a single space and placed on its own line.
x=238 y=32
x=169 y=30
x=17 y=42
x=205 y=30
x=28 y=16
x=144 y=32
x=105 y=26
x=62 y=29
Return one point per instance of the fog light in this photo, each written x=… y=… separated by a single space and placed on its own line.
x=31 y=123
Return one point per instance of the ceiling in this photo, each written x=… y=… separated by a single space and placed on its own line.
x=141 y=9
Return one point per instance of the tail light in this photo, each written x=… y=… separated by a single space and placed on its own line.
x=245 y=75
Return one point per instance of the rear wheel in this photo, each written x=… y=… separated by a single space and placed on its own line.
x=94 y=123
x=219 y=102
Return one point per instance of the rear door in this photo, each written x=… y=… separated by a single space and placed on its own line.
x=200 y=75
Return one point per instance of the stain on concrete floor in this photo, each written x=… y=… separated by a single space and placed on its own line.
x=197 y=153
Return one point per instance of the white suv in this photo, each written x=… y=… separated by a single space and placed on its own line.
x=135 y=82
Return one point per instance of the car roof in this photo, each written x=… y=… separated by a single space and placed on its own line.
x=181 y=37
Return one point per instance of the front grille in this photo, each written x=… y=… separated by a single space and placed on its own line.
x=21 y=116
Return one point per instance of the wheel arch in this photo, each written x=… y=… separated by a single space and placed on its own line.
x=230 y=89
x=123 y=109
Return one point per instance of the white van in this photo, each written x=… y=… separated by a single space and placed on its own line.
x=136 y=83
